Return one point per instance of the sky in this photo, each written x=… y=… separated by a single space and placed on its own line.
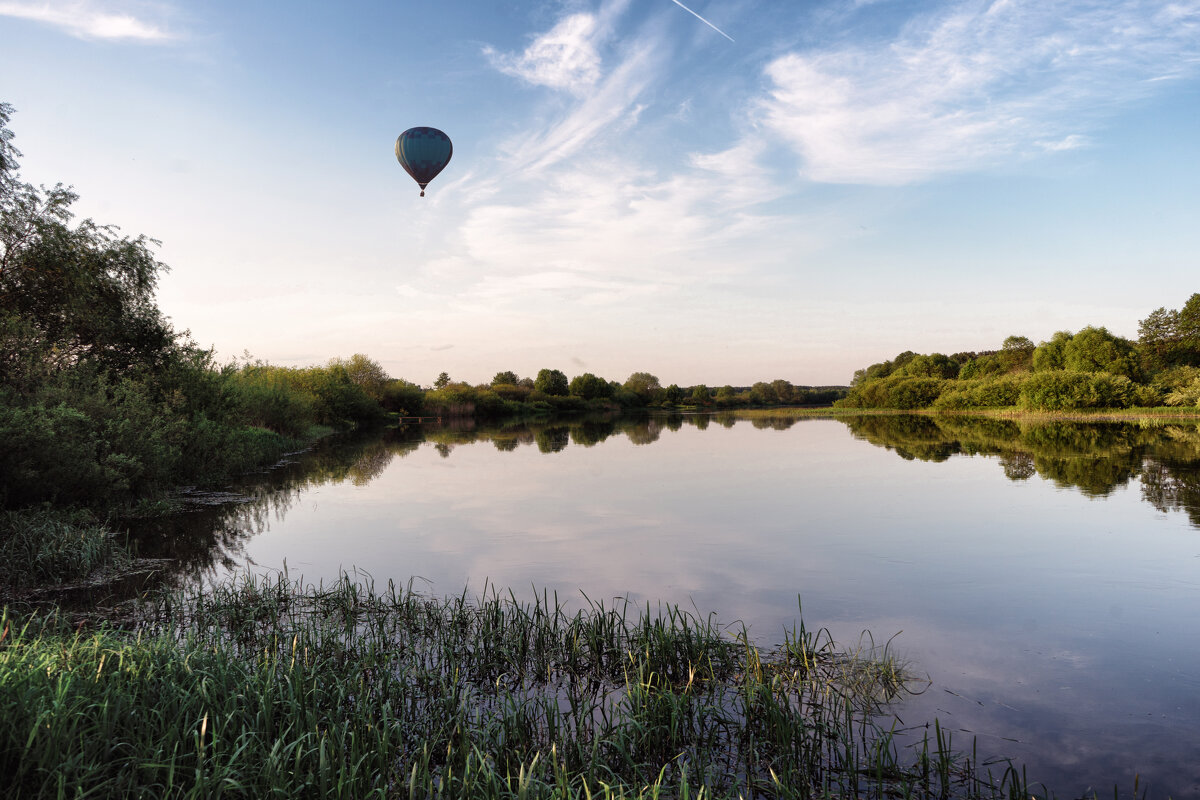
x=715 y=192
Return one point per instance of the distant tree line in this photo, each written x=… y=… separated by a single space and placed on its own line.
x=551 y=391
x=1092 y=368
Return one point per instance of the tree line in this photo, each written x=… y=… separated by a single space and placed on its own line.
x=1092 y=368
x=552 y=391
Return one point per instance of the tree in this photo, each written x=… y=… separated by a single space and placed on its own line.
x=552 y=382
x=1016 y=353
x=1188 y=328
x=1158 y=337
x=1097 y=350
x=701 y=395
x=784 y=391
x=443 y=380
x=1049 y=355
x=507 y=378
x=935 y=365
x=368 y=375
x=674 y=393
x=726 y=396
x=762 y=393
x=1018 y=343
x=644 y=385
x=71 y=294
x=589 y=387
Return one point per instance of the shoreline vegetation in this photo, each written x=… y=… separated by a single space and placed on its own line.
x=257 y=688
x=263 y=686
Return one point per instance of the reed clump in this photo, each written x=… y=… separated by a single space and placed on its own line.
x=47 y=547
x=262 y=687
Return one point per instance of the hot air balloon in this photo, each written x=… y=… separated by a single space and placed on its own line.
x=423 y=152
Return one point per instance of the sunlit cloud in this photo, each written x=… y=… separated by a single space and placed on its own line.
x=609 y=109
x=973 y=86
x=565 y=57
x=86 y=20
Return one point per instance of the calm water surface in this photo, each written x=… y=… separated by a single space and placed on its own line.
x=1045 y=577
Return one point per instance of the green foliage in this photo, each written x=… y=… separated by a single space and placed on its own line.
x=894 y=391
x=551 y=382
x=997 y=391
x=1065 y=390
x=645 y=387
x=266 y=689
x=1051 y=355
x=267 y=399
x=936 y=365
x=364 y=373
x=43 y=547
x=403 y=398
x=1188 y=395
x=1097 y=350
x=443 y=380
x=507 y=378
x=589 y=387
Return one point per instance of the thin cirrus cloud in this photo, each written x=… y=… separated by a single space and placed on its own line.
x=88 y=21
x=970 y=87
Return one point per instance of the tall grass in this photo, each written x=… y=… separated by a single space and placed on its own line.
x=262 y=688
x=45 y=547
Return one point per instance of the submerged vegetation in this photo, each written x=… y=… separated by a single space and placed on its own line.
x=263 y=688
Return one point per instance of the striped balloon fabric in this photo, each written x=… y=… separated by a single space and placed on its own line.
x=423 y=152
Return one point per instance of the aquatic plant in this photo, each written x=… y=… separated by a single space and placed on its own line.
x=263 y=687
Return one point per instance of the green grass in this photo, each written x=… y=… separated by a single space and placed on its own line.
x=40 y=547
x=1011 y=412
x=262 y=688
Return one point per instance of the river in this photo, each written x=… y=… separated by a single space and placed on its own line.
x=1044 y=576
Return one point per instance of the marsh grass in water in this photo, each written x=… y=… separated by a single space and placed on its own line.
x=40 y=547
x=260 y=687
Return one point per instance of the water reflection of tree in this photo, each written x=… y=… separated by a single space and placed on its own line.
x=591 y=432
x=210 y=536
x=1093 y=458
x=912 y=437
x=773 y=423
x=1173 y=487
x=644 y=431
x=552 y=438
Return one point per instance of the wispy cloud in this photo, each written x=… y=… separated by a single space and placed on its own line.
x=565 y=57
x=974 y=85
x=86 y=20
x=610 y=108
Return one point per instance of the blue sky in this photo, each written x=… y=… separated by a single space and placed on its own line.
x=752 y=191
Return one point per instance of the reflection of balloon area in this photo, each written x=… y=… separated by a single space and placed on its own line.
x=423 y=152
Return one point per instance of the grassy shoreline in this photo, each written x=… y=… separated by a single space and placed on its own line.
x=263 y=687
x=1008 y=412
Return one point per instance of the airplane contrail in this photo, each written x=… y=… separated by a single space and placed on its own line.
x=702 y=19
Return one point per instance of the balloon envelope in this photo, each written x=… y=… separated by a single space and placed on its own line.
x=423 y=152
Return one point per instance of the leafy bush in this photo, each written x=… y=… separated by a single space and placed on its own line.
x=1186 y=395
x=894 y=391
x=1064 y=390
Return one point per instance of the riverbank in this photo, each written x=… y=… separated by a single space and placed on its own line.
x=1007 y=412
x=47 y=549
x=263 y=687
